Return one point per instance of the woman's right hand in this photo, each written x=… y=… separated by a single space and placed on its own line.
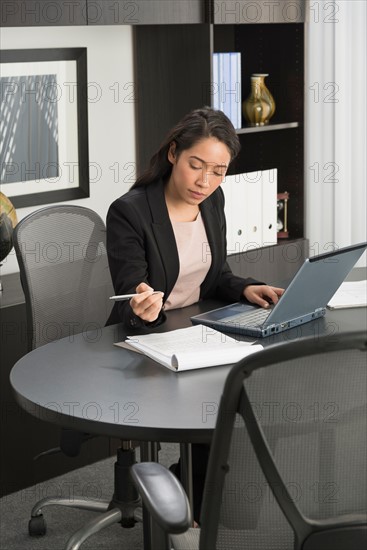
x=146 y=305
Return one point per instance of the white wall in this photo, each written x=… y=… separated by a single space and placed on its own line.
x=110 y=112
x=336 y=124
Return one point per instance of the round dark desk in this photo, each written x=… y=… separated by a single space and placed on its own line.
x=86 y=383
x=99 y=388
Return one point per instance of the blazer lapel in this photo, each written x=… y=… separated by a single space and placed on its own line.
x=163 y=233
x=215 y=240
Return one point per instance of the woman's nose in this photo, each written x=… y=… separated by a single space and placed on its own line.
x=204 y=179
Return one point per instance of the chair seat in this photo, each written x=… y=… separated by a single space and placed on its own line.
x=186 y=541
x=239 y=538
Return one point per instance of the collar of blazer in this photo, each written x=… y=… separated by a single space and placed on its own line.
x=163 y=233
x=165 y=238
x=212 y=211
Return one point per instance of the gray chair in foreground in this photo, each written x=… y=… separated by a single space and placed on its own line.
x=62 y=256
x=287 y=467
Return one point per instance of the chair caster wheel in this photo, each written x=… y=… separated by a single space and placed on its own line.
x=37 y=526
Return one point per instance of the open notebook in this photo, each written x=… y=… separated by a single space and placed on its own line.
x=190 y=348
x=304 y=300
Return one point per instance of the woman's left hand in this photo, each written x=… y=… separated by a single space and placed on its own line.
x=262 y=295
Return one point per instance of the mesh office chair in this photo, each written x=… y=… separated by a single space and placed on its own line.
x=288 y=467
x=64 y=272
x=65 y=276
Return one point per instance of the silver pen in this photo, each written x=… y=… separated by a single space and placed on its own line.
x=122 y=297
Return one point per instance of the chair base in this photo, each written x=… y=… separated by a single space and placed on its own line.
x=121 y=509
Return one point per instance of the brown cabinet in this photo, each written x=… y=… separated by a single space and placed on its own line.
x=43 y=13
x=143 y=12
x=33 y=13
x=271 y=264
x=174 y=74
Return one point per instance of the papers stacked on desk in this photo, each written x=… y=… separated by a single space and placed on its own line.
x=349 y=294
x=190 y=348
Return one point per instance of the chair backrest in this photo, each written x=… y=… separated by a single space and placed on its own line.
x=287 y=467
x=62 y=257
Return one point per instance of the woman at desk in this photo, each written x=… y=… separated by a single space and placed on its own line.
x=168 y=234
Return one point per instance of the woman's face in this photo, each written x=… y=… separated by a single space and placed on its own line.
x=197 y=172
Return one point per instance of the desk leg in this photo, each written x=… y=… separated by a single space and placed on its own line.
x=186 y=471
x=149 y=451
x=154 y=537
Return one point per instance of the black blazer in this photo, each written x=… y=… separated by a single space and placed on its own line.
x=141 y=247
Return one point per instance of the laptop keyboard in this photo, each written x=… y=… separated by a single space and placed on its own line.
x=255 y=318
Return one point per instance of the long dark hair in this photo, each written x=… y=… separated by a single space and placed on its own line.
x=193 y=127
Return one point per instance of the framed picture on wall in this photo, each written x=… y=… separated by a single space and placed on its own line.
x=44 y=113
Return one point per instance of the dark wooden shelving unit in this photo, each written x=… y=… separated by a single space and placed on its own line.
x=267 y=128
x=174 y=75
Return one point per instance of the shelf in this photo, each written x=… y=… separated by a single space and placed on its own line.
x=268 y=128
x=271 y=264
x=174 y=64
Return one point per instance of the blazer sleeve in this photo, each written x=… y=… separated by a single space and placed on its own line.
x=127 y=261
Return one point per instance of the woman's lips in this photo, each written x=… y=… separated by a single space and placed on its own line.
x=196 y=194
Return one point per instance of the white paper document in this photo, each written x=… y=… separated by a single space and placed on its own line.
x=190 y=348
x=349 y=294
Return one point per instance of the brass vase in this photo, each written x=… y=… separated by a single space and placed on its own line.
x=259 y=107
x=265 y=92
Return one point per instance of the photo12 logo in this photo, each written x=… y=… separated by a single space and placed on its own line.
x=69 y=12
x=255 y=11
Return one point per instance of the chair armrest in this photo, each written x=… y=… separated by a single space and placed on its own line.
x=163 y=496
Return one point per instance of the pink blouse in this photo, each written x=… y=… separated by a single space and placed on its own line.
x=195 y=261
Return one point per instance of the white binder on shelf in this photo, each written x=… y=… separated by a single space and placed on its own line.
x=251 y=210
x=226 y=94
x=235 y=194
x=215 y=83
x=225 y=84
x=269 y=207
x=252 y=182
x=236 y=103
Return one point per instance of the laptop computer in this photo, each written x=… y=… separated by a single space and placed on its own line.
x=304 y=300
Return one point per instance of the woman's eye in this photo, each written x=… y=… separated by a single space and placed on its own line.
x=195 y=167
